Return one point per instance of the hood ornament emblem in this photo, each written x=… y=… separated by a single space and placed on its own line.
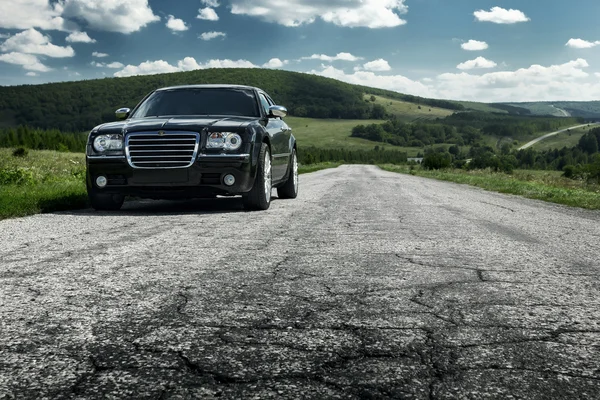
x=161 y=133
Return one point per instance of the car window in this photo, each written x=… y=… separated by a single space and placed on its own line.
x=196 y=101
x=264 y=103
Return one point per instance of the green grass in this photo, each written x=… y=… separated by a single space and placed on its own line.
x=42 y=181
x=541 y=185
x=564 y=139
x=332 y=133
x=305 y=169
x=410 y=112
x=471 y=105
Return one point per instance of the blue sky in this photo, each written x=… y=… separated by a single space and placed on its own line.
x=461 y=49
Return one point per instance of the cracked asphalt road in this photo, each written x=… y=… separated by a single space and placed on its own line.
x=369 y=285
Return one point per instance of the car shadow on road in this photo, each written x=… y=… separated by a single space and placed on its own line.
x=144 y=207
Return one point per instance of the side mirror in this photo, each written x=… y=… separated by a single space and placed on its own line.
x=278 y=111
x=122 y=113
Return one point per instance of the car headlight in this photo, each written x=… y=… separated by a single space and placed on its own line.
x=104 y=143
x=224 y=140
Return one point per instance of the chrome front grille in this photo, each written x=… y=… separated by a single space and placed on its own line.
x=162 y=150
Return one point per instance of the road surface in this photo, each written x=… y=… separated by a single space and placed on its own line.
x=534 y=141
x=369 y=285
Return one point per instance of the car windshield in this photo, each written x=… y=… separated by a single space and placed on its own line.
x=196 y=101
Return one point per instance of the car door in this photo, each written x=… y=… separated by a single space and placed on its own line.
x=276 y=129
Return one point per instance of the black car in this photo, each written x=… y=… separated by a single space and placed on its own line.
x=194 y=141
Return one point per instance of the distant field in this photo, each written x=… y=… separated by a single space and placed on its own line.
x=481 y=107
x=331 y=133
x=565 y=139
x=540 y=108
x=410 y=112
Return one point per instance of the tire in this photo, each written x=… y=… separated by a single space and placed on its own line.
x=105 y=201
x=259 y=197
x=289 y=190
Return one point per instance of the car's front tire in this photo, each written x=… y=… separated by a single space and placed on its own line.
x=289 y=190
x=105 y=201
x=259 y=197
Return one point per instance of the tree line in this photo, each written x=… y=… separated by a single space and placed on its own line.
x=79 y=106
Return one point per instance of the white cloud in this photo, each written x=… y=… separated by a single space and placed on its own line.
x=4 y=35
x=582 y=44
x=212 y=35
x=211 y=3
x=27 y=61
x=566 y=81
x=398 y=83
x=377 y=65
x=275 y=63
x=479 y=62
x=79 y=37
x=99 y=55
x=176 y=24
x=349 y=13
x=31 y=73
x=338 y=57
x=25 y=14
x=187 y=64
x=33 y=42
x=499 y=15
x=124 y=16
x=207 y=14
x=115 y=65
x=474 y=45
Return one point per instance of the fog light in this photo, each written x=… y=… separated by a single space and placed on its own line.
x=229 y=180
x=101 y=181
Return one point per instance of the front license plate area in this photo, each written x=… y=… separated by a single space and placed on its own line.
x=163 y=177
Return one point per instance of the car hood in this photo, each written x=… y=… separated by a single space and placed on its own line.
x=194 y=124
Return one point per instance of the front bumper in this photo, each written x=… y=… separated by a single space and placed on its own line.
x=203 y=178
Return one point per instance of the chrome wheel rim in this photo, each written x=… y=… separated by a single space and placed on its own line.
x=295 y=171
x=267 y=176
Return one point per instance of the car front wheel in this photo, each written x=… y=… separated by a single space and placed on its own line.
x=259 y=198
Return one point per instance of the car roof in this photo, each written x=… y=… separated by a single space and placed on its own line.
x=210 y=86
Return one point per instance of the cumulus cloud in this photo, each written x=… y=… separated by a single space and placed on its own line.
x=474 y=45
x=27 y=14
x=212 y=35
x=99 y=55
x=79 y=37
x=27 y=61
x=398 y=83
x=207 y=14
x=566 y=81
x=33 y=42
x=349 y=13
x=479 y=62
x=582 y=44
x=211 y=3
x=377 y=65
x=114 y=65
x=176 y=24
x=275 y=63
x=338 y=57
x=187 y=64
x=31 y=73
x=499 y=15
x=124 y=16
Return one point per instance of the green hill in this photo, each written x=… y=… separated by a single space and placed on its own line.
x=585 y=109
x=78 y=106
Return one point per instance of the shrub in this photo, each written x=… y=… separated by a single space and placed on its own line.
x=20 y=152
x=16 y=176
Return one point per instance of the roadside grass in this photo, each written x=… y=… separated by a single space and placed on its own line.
x=305 y=169
x=548 y=186
x=41 y=181
x=410 y=112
